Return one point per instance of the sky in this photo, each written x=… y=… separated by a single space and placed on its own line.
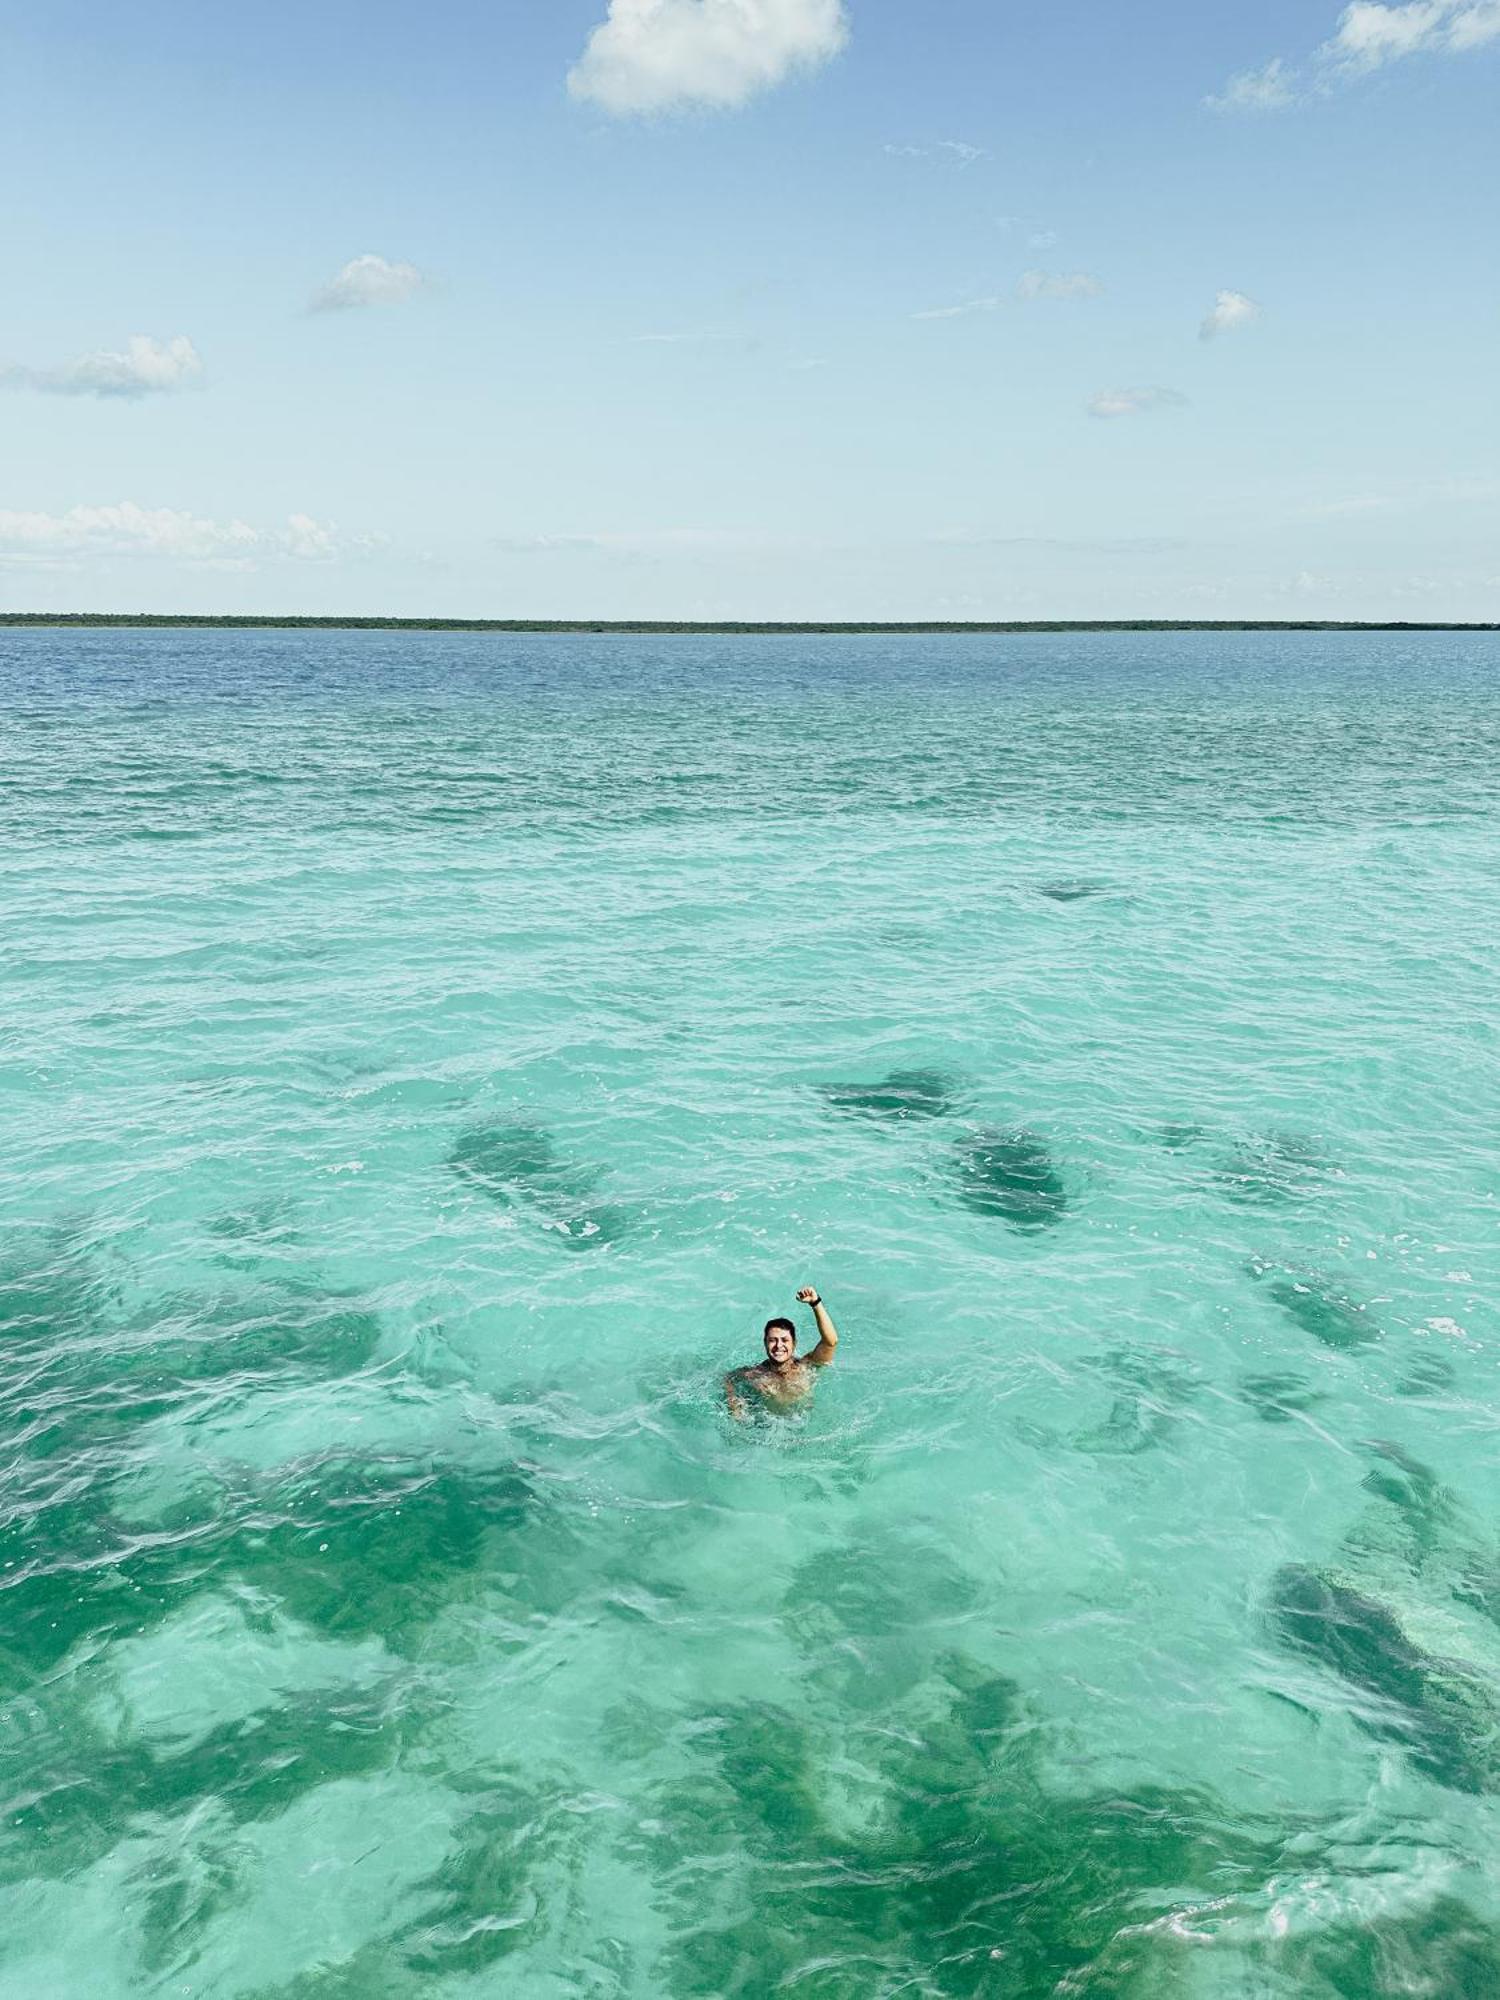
x=751 y=308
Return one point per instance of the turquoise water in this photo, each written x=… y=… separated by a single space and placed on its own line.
x=428 y=1060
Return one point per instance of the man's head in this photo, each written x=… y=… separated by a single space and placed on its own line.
x=781 y=1340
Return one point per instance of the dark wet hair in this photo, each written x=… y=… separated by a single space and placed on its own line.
x=788 y=1325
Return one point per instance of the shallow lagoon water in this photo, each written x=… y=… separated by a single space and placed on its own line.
x=428 y=1060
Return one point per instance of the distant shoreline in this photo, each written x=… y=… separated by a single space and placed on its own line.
x=667 y=627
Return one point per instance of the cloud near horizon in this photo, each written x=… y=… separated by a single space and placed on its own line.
x=1367 y=36
x=369 y=281
x=128 y=529
x=669 y=55
x=146 y=368
x=1133 y=402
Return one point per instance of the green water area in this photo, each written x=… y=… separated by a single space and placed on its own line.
x=429 y=1058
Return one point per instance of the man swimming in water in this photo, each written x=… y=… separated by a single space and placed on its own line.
x=784 y=1377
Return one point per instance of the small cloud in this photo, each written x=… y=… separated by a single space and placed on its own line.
x=146 y=368
x=1048 y=285
x=1232 y=310
x=665 y=55
x=1133 y=402
x=957 y=312
x=130 y=530
x=369 y=281
x=1042 y=239
x=1268 y=89
x=953 y=149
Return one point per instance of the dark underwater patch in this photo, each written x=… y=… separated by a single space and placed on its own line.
x=864 y=1613
x=1414 y=1490
x=357 y=1548
x=513 y=1856
x=79 y=1377
x=1073 y=888
x=890 y=1583
x=79 y=1374
x=1153 y=1388
x=519 y=1168
x=1442 y=1952
x=367 y=1548
x=1274 y=1169
x=1426 y=1375
x=1011 y=1176
x=485 y=1903
x=198 y=1339
x=904 y=1095
x=78 y=1795
x=1278 y=1399
x=54 y=1297
x=1318 y=1307
x=1440 y=1712
x=1177 y=1138
x=975 y=1876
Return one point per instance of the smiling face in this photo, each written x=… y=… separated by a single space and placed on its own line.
x=781 y=1341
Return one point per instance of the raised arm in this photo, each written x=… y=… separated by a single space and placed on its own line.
x=828 y=1339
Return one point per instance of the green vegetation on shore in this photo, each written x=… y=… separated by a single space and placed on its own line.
x=191 y=620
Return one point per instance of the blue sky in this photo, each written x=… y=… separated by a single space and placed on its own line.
x=761 y=308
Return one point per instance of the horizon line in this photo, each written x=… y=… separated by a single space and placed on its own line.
x=292 y=621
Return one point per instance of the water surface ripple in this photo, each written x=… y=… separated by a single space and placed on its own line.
x=426 y=1062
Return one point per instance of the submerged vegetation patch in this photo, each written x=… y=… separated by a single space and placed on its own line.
x=1073 y=889
x=1442 y=1713
x=519 y=1168
x=1011 y=1176
x=1318 y=1306
x=904 y=1095
x=1153 y=1386
x=1275 y=1168
x=1279 y=1399
x=968 y=1870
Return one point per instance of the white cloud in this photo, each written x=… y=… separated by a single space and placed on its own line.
x=128 y=529
x=1066 y=285
x=662 y=55
x=369 y=281
x=146 y=368
x=953 y=149
x=1270 y=89
x=1232 y=310
x=1133 y=402
x=1368 y=36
